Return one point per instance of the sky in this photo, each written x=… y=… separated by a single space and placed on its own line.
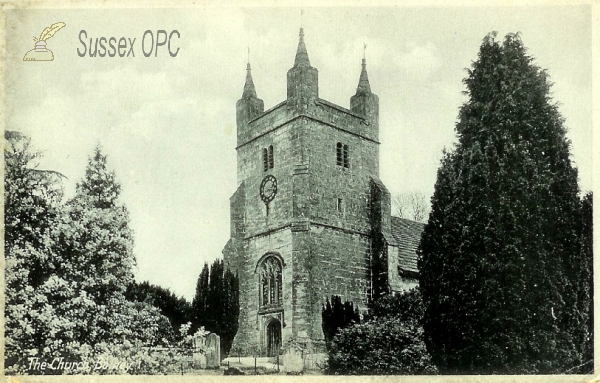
x=167 y=124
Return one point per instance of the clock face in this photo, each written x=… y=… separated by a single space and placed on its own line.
x=268 y=188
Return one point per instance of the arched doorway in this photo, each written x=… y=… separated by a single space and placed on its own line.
x=273 y=337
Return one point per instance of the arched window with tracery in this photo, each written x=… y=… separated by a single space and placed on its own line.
x=270 y=282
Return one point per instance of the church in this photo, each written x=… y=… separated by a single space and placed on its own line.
x=310 y=217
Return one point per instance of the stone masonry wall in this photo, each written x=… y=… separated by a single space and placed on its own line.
x=341 y=268
x=250 y=333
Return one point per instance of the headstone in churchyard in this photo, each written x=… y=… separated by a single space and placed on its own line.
x=199 y=353
x=292 y=361
x=213 y=351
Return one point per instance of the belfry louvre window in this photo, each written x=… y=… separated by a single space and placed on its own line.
x=268 y=161
x=265 y=160
x=342 y=155
x=270 y=282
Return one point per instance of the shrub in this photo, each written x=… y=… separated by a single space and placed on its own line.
x=389 y=342
x=380 y=346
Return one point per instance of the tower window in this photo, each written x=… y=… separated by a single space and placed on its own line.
x=340 y=205
x=270 y=282
x=268 y=161
x=265 y=160
x=342 y=155
x=346 y=164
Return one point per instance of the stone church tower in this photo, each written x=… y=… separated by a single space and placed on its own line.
x=310 y=217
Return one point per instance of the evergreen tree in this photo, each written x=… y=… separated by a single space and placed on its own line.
x=336 y=315
x=94 y=263
x=584 y=275
x=231 y=310
x=495 y=254
x=216 y=303
x=214 y=298
x=199 y=303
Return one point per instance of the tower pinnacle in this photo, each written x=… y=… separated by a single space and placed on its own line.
x=365 y=102
x=249 y=106
x=249 y=90
x=301 y=54
x=363 y=82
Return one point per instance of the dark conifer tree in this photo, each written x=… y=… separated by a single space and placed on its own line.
x=496 y=252
x=231 y=310
x=585 y=290
x=177 y=309
x=336 y=315
x=214 y=298
x=199 y=302
x=216 y=303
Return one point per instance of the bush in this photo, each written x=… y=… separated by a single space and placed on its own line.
x=380 y=346
x=389 y=342
x=407 y=306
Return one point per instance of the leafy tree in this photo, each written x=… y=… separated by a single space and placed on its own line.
x=31 y=204
x=31 y=196
x=67 y=267
x=92 y=267
x=336 y=315
x=406 y=306
x=495 y=254
x=389 y=342
x=176 y=309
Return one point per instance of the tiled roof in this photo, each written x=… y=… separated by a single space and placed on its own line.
x=407 y=235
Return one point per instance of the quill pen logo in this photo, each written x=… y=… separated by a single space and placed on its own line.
x=40 y=52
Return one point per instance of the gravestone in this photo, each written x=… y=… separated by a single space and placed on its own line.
x=213 y=351
x=199 y=355
x=293 y=362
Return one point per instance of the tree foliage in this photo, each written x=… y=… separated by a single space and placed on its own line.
x=389 y=342
x=583 y=274
x=176 y=309
x=67 y=265
x=31 y=204
x=94 y=258
x=216 y=303
x=497 y=254
x=336 y=315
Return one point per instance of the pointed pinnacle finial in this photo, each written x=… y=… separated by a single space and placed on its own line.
x=363 y=82
x=301 y=16
x=248 y=55
x=301 y=54
x=249 y=90
x=364 y=51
